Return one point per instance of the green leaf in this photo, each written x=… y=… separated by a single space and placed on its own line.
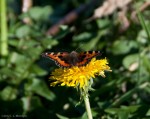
x=33 y=53
x=112 y=110
x=7 y=72
x=8 y=93
x=146 y=62
x=131 y=62
x=123 y=46
x=63 y=27
x=21 y=63
x=36 y=70
x=102 y=23
x=2 y=62
x=39 y=87
x=13 y=42
x=141 y=111
x=40 y=13
x=131 y=109
x=124 y=111
x=123 y=114
x=142 y=37
x=25 y=44
x=23 y=31
x=48 y=42
x=144 y=25
x=82 y=37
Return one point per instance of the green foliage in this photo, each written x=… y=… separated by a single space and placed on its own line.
x=24 y=74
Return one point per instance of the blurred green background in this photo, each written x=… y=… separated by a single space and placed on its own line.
x=31 y=27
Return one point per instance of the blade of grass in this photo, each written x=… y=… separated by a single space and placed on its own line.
x=141 y=19
x=145 y=27
x=3 y=29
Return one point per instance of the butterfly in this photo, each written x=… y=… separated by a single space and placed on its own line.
x=67 y=60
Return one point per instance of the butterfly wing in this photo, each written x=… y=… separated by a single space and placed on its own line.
x=64 y=59
x=85 y=57
x=59 y=58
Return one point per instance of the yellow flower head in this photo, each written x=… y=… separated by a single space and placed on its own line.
x=79 y=76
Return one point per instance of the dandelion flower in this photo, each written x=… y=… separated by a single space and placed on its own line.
x=79 y=76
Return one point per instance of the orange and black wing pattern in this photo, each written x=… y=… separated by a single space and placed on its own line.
x=85 y=57
x=65 y=59
x=59 y=58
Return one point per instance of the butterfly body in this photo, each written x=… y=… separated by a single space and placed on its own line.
x=65 y=59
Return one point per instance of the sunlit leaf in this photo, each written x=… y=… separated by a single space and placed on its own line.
x=8 y=93
x=82 y=37
x=123 y=46
x=131 y=62
x=103 y=23
x=40 y=13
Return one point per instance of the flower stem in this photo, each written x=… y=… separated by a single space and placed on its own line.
x=87 y=105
